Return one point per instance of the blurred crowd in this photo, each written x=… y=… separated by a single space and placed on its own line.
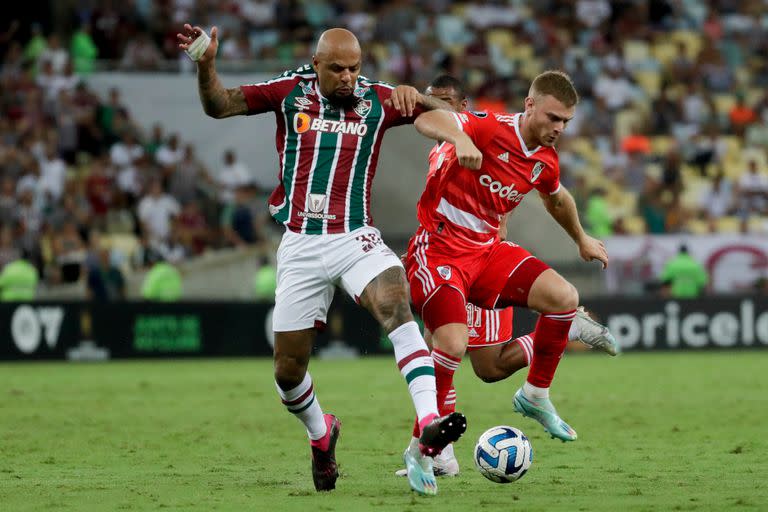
x=671 y=135
x=88 y=194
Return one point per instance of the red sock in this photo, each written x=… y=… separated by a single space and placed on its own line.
x=549 y=341
x=445 y=366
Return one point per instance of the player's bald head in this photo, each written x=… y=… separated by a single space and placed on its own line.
x=337 y=64
x=337 y=43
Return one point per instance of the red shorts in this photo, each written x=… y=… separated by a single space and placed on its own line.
x=480 y=272
x=488 y=327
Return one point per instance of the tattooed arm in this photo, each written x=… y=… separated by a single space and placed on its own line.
x=217 y=101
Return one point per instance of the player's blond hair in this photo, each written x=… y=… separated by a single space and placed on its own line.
x=556 y=84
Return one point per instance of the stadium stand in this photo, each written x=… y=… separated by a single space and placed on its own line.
x=674 y=112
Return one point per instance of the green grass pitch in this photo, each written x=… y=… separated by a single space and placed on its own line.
x=657 y=432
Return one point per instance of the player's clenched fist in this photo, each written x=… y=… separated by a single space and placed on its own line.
x=467 y=153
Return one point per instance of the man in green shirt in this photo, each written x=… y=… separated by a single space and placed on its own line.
x=18 y=281
x=684 y=276
x=83 y=50
x=162 y=283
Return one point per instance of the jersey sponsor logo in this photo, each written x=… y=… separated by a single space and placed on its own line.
x=303 y=122
x=504 y=157
x=302 y=102
x=444 y=271
x=473 y=333
x=480 y=115
x=504 y=191
x=537 y=171
x=363 y=107
x=361 y=91
x=316 y=202
x=314 y=215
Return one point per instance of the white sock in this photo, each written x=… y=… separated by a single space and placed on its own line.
x=574 y=331
x=416 y=366
x=302 y=403
x=447 y=453
x=531 y=391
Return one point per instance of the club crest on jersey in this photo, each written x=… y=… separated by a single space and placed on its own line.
x=361 y=91
x=363 y=107
x=316 y=202
x=302 y=102
x=444 y=271
x=306 y=88
x=536 y=171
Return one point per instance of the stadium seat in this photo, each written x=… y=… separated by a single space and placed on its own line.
x=692 y=40
x=728 y=224
x=692 y=191
x=636 y=52
x=634 y=224
x=698 y=226
x=625 y=121
x=649 y=81
x=502 y=39
x=723 y=104
x=758 y=225
x=661 y=144
x=664 y=51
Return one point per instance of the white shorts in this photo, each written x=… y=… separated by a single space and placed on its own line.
x=310 y=266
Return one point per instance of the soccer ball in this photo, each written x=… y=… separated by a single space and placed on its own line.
x=503 y=454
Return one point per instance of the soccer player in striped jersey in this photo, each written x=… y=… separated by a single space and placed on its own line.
x=330 y=124
x=491 y=161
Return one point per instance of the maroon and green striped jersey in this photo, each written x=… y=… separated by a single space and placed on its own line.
x=327 y=155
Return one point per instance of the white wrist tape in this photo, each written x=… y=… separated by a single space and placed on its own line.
x=198 y=46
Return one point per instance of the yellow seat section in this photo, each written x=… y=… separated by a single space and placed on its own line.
x=636 y=50
x=634 y=224
x=692 y=40
x=649 y=81
x=664 y=51
x=698 y=226
x=728 y=224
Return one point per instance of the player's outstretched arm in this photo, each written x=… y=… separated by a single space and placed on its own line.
x=562 y=208
x=441 y=125
x=218 y=102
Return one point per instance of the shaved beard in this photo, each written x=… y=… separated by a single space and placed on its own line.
x=343 y=102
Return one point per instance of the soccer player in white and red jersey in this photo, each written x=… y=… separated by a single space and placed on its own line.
x=330 y=124
x=492 y=351
x=491 y=161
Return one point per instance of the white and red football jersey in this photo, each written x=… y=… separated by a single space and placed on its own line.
x=468 y=205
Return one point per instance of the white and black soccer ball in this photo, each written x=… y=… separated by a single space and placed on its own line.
x=503 y=454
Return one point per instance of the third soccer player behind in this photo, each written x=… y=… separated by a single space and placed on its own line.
x=489 y=162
